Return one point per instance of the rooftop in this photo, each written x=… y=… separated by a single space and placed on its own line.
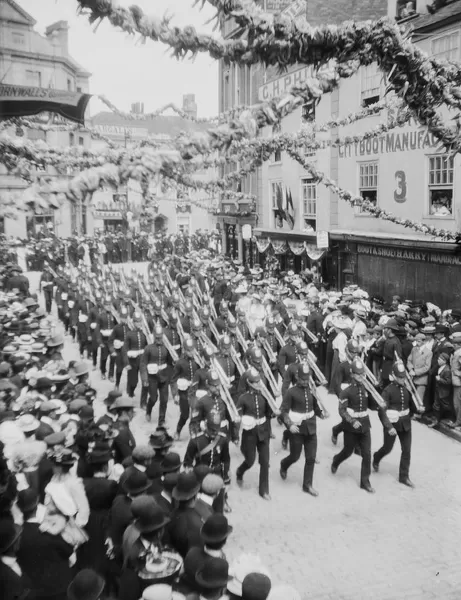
x=164 y=125
x=425 y=23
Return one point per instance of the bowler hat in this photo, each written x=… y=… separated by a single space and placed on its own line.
x=75 y=405
x=213 y=574
x=256 y=586
x=81 y=368
x=187 y=487
x=27 y=500
x=123 y=403
x=99 y=457
x=170 y=480
x=9 y=533
x=63 y=458
x=136 y=483
x=86 y=585
x=151 y=518
x=215 y=529
x=440 y=328
x=201 y=471
x=160 y=439
x=171 y=462
x=112 y=397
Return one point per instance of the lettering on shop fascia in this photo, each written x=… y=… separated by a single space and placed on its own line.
x=420 y=256
x=391 y=142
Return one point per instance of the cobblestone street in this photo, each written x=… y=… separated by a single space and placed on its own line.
x=347 y=544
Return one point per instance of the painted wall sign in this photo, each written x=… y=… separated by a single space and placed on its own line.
x=282 y=85
x=391 y=142
x=414 y=255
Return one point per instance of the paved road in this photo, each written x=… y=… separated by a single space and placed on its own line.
x=347 y=544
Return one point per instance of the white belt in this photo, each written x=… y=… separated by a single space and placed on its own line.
x=249 y=422
x=71 y=304
x=82 y=318
x=106 y=332
x=357 y=415
x=118 y=344
x=154 y=368
x=201 y=393
x=134 y=353
x=46 y=284
x=183 y=384
x=394 y=415
x=92 y=325
x=64 y=296
x=225 y=423
x=297 y=418
x=177 y=346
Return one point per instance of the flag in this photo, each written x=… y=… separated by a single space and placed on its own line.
x=290 y=212
x=281 y=214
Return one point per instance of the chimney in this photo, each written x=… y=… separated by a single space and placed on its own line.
x=58 y=35
x=189 y=106
x=137 y=108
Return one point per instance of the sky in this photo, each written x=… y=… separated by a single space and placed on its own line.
x=124 y=69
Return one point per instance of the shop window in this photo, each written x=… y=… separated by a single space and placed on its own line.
x=39 y=225
x=368 y=183
x=36 y=134
x=276 y=191
x=34 y=78
x=446 y=46
x=183 y=224
x=371 y=84
x=81 y=141
x=405 y=9
x=69 y=85
x=441 y=186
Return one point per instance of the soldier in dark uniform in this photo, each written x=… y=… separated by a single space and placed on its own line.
x=46 y=284
x=212 y=401
x=353 y=407
x=396 y=420
x=255 y=413
x=183 y=375
x=186 y=321
x=135 y=344
x=341 y=380
x=154 y=375
x=105 y=326
x=299 y=410
x=210 y=448
x=392 y=345
x=287 y=354
x=221 y=322
x=117 y=345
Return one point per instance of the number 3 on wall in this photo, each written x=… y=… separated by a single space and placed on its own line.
x=400 y=192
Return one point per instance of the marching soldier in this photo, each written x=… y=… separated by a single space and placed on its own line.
x=299 y=410
x=154 y=374
x=255 y=413
x=221 y=322
x=117 y=343
x=105 y=326
x=186 y=321
x=227 y=364
x=291 y=373
x=183 y=374
x=212 y=401
x=135 y=344
x=342 y=379
x=46 y=284
x=287 y=354
x=396 y=420
x=353 y=407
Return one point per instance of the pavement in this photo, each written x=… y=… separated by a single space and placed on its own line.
x=399 y=543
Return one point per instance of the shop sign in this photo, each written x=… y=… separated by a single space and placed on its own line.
x=129 y=132
x=391 y=142
x=322 y=240
x=413 y=255
x=277 y=6
x=283 y=85
x=107 y=214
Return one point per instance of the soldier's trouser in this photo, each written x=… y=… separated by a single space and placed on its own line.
x=386 y=448
x=105 y=354
x=251 y=444
x=157 y=390
x=298 y=441
x=363 y=439
x=184 y=409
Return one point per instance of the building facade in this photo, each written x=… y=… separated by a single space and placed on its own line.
x=28 y=58
x=169 y=210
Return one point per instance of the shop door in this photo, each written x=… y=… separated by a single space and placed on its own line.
x=231 y=241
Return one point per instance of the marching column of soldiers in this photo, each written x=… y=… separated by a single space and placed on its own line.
x=232 y=367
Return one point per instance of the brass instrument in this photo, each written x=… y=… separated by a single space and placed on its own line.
x=373 y=393
x=409 y=384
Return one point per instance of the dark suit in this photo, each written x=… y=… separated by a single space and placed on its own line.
x=44 y=558
x=184 y=530
x=124 y=443
x=12 y=586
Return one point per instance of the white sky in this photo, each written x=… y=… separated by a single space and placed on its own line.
x=125 y=70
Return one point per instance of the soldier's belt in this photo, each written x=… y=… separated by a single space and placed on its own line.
x=394 y=415
x=64 y=296
x=47 y=283
x=251 y=422
x=106 y=332
x=357 y=415
x=297 y=418
x=201 y=393
x=134 y=353
x=118 y=344
x=183 y=384
x=154 y=368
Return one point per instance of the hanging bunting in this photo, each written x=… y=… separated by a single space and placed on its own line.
x=313 y=252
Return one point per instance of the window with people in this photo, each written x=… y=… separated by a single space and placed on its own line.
x=441 y=186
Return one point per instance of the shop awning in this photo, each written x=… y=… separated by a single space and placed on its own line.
x=282 y=242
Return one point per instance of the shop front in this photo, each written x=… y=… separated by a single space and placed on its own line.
x=418 y=270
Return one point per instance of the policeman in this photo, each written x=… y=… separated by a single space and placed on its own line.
x=299 y=410
x=287 y=354
x=154 y=375
x=183 y=374
x=353 y=408
x=396 y=420
x=255 y=413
